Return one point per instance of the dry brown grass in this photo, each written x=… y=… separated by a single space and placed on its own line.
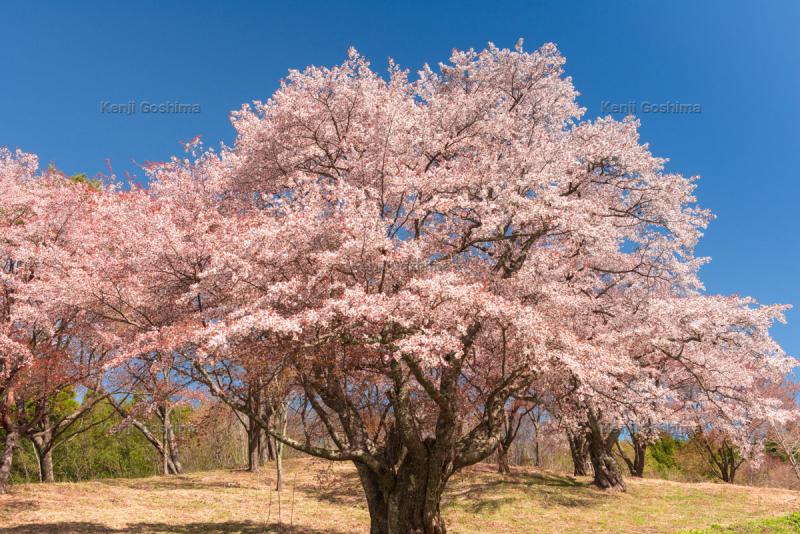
x=326 y=498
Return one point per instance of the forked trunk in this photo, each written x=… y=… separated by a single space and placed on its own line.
x=265 y=451
x=635 y=464
x=579 y=450
x=728 y=463
x=7 y=459
x=161 y=447
x=411 y=505
x=722 y=458
x=43 y=446
x=44 y=459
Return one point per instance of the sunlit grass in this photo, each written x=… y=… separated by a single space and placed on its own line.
x=326 y=498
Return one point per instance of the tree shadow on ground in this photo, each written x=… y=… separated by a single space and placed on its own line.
x=229 y=527
x=547 y=479
x=335 y=488
x=17 y=505
x=546 y=488
x=490 y=505
x=173 y=483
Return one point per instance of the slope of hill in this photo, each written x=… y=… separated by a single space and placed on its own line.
x=325 y=498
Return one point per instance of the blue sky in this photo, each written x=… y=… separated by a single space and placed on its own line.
x=739 y=61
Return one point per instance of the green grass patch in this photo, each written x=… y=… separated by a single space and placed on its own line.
x=787 y=524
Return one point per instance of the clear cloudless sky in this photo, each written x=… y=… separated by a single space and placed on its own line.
x=739 y=61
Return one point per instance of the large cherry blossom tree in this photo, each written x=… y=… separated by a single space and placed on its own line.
x=421 y=252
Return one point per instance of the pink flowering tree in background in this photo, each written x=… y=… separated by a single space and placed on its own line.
x=141 y=253
x=43 y=341
x=719 y=355
x=688 y=362
x=784 y=436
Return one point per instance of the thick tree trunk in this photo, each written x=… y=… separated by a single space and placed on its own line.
x=579 y=450
x=411 y=505
x=6 y=460
x=377 y=504
x=405 y=474
x=253 y=445
x=43 y=446
x=607 y=474
x=503 y=466
x=44 y=459
x=602 y=437
x=48 y=472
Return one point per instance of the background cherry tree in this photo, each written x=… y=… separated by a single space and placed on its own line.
x=46 y=345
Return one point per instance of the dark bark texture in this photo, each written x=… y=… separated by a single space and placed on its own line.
x=503 y=466
x=406 y=440
x=411 y=505
x=602 y=437
x=722 y=458
x=636 y=463
x=579 y=450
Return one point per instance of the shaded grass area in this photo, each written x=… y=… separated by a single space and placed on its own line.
x=243 y=527
x=325 y=498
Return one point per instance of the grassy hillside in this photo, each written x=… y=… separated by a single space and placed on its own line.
x=325 y=498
